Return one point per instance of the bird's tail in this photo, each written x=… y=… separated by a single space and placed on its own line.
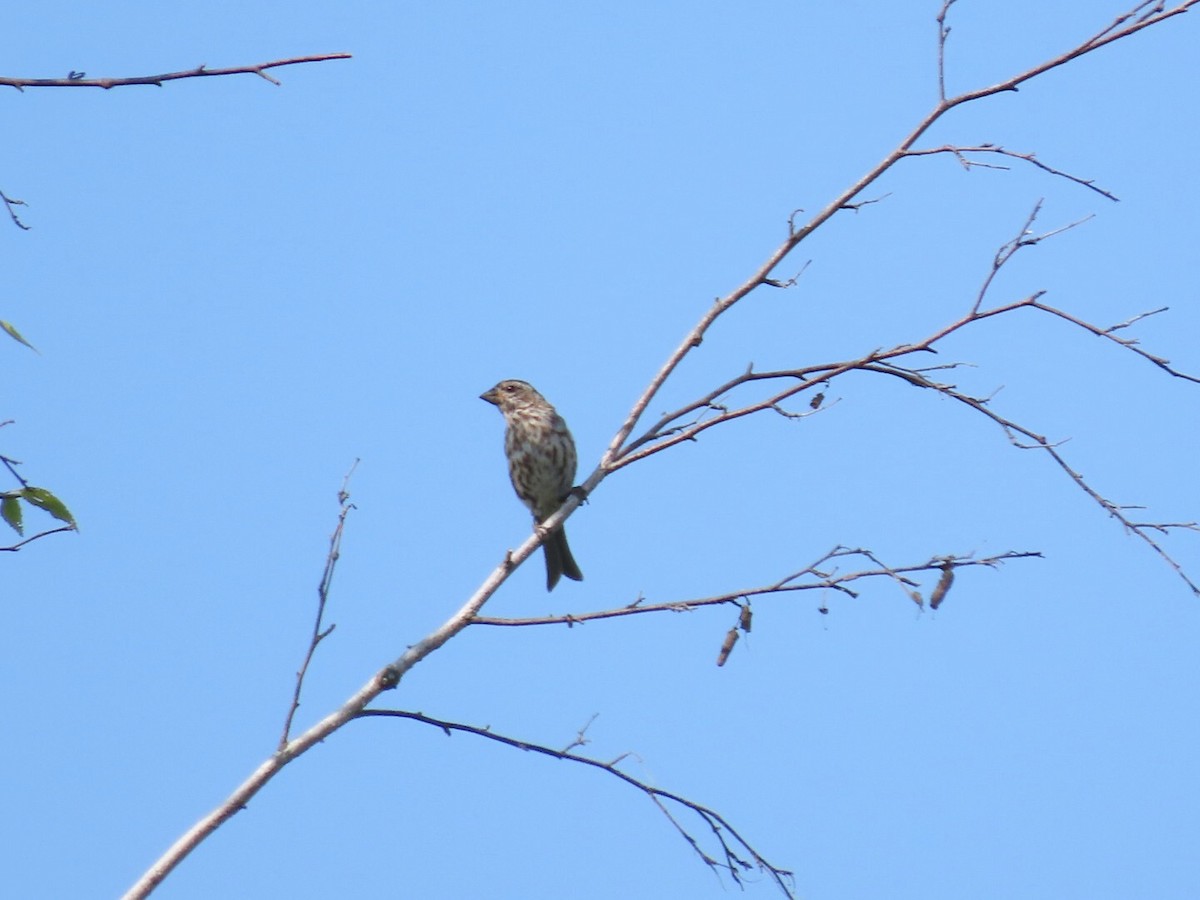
x=559 y=560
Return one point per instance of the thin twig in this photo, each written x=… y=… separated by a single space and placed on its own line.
x=1107 y=333
x=943 y=34
x=318 y=633
x=959 y=152
x=1135 y=319
x=1005 y=253
x=580 y=738
x=855 y=207
x=9 y=203
x=824 y=581
x=201 y=71
x=11 y=464
x=1039 y=442
x=17 y=546
x=734 y=863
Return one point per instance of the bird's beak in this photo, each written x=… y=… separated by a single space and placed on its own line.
x=490 y=397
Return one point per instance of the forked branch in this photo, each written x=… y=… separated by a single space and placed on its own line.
x=713 y=409
x=734 y=849
x=1141 y=16
x=10 y=204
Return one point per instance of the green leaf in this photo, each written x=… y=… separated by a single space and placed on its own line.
x=43 y=499
x=10 y=509
x=16 y=335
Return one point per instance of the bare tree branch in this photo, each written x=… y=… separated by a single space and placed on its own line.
x=943 y=34
x=318 y=633
x=580 y=739
x=1014 y=431
x=11 y=464
x=1121 y=27
x=76 y=79
x=1107 y=333
x=1024 y=238
x=688 y=422
x=960 y=153
x=732 y=844
x=621 y=451
x=9 y=203
x=13 y=548
x=814 y=577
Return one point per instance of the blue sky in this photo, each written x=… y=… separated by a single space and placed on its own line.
x=237 y=289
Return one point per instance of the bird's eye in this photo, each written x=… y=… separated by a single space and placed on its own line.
x=509 y=388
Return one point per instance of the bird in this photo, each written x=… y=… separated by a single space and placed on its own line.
x=541 y=464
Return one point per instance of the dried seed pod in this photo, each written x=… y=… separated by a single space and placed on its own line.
x=727 y=646
x=943 y=585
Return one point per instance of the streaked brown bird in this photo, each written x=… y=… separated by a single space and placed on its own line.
x=541 y=464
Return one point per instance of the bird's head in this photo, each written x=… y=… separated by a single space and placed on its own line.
x=513 y=394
